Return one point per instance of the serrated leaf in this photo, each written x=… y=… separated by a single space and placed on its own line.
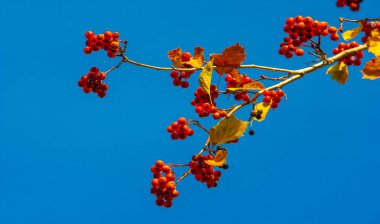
x=350 y=34
x=227 y=130
x=197 y=60
x=205 y=77
x=374 y=42
x=338 y=72
x=249 y=86
x=371 y=69
x=219 y=160
x=174 y=54
x=264 y=108
x=231 y=56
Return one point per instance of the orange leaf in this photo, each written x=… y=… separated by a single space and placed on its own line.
x=371 y=69
x=232 y=56
x=249 y=86
x=174 y=54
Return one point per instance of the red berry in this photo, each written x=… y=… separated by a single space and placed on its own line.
x=181 y=121
x=267 y=99
x=89 y=34
x=299 y=52
x=160 y=202
x=166 y=169
x=216 y=115
x=274 y=105
x=280 y=93
x=185 y=56
x=108 y=35
x=174 y=136
x=174 y=74
x=177 y=82
x=189 y=132
x=87 y=50
x=184 y=84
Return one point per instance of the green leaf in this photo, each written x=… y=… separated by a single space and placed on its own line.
x=227 y=130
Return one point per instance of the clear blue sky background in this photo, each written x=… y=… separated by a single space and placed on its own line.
x=67 y=157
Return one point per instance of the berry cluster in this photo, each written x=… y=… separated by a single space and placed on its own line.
x=300 y=31
x=177 y=78
x=93 y=82
x=179 y=129
x=163 y=187
x=203 y=105
x=368 y=27
x=352 y=59
x=232 y=82
x=108 y=41
x=203 y=172
x=353 y=4
x=273 y=98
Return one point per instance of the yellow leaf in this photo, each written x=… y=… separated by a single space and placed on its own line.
x=227 y=129
x=249 y=86
x=339 y=72
x=264 y=108
x=350 y=34
x=205 y=77
x=371 y=69
x=374 y=42
x=197 y=60
x=219 y=160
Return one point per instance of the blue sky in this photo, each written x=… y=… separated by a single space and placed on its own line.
x=67 y=157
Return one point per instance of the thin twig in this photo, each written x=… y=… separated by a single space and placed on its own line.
x=198 y=124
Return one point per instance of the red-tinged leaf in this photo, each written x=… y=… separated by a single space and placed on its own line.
x=371 y=69
x=232 y=56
